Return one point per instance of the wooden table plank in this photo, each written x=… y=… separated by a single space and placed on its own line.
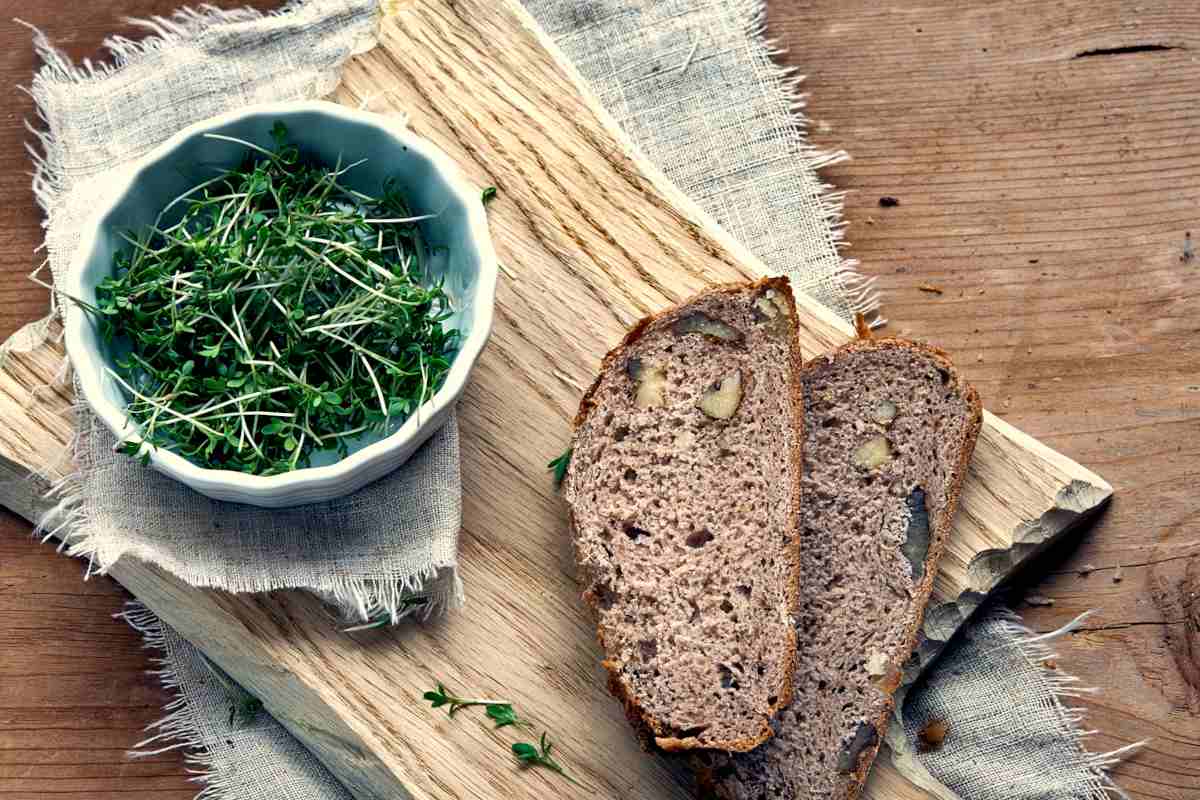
x=74 y=692
x=1047 y=185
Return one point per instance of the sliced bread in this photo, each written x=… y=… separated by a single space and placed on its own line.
x=684 y=491
x=891 y=426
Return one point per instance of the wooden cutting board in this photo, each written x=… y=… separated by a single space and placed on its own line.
x=590 y=238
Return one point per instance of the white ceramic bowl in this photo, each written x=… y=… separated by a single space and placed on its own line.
x=324 y=131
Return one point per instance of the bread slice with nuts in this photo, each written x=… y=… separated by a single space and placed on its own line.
x=891 y=426
x=684 y=490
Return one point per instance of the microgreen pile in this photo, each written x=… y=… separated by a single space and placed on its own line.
x=283 y=313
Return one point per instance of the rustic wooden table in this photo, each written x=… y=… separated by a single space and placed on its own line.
x=1047 y=175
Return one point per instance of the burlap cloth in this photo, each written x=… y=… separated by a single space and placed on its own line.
x=694 y=85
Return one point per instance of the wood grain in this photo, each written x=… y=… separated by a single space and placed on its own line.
x=1047 y=164
x=74 y=696
x=591 y=238
x=74 y=693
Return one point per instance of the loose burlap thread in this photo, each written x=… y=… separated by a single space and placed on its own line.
x=694 y=85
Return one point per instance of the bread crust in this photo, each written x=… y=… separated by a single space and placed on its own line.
x=652 y=732
x=707 y=784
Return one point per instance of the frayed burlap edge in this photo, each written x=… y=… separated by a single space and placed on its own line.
x=1036 y=649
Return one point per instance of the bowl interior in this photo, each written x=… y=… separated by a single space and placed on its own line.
x=453 y=255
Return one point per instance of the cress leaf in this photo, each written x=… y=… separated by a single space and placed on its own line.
x=502 y=714
x=559 y=466
x=525 y=751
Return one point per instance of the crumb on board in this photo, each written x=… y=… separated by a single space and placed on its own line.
x=1117 y=574
x=1086 y=569
x=1039 y=600
x=1033 y=261
x=1050 y=663
x=1188 y=251
x=982 y=291
x=870 y=220
x=887 y=201
x=929 y=287
x=931 y=736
